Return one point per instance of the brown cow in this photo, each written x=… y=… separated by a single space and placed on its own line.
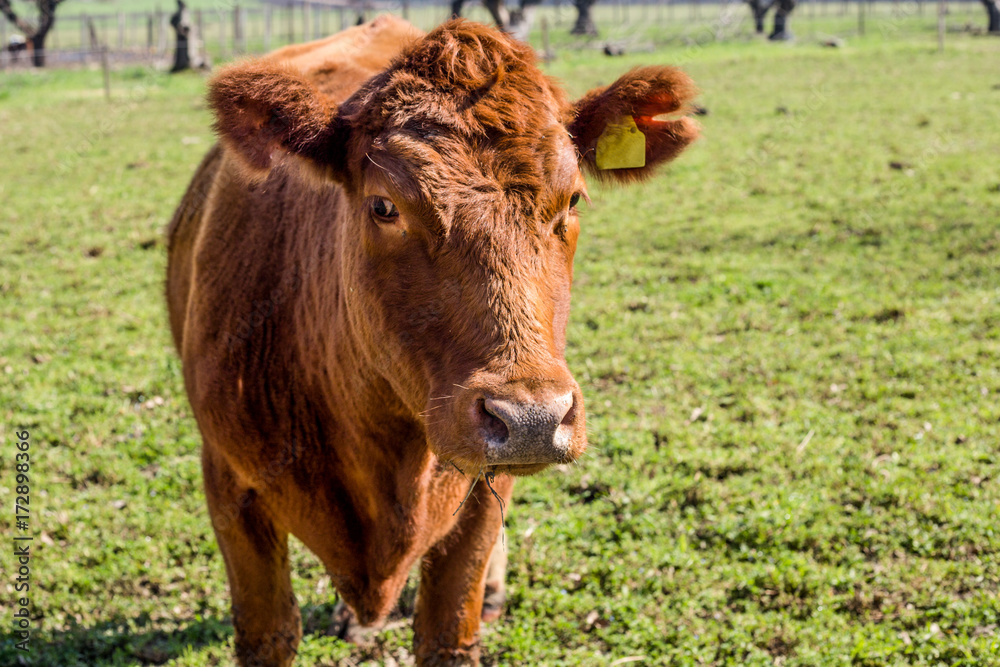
x=368 y=283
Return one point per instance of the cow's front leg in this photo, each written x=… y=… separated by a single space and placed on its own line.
x=265 y=613
x=496 y=589
x=452 y=580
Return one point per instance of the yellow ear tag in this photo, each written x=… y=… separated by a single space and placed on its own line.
x=621 y=146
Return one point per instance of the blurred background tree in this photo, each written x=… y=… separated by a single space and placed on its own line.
x=34 y=32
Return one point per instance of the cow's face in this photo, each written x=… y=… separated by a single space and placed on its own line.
x=462 y=169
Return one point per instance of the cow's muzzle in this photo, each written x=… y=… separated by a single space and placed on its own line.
x=521 y=427
x=488 y=422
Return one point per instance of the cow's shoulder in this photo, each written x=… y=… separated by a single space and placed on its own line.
x=339 y=64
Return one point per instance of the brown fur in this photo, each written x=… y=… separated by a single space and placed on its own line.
x=334 y=360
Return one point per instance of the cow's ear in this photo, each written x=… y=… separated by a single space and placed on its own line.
x=264 y=107
x=623 y=131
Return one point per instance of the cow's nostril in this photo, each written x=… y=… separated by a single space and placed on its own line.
x=494 y=428
x=570 y=415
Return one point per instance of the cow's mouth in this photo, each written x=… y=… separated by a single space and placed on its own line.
x=510 y=469
x=518 y=469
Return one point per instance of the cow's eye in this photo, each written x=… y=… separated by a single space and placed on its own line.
x=574 y=200
x=384 y=209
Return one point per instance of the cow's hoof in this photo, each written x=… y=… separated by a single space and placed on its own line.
x=491 y=613
x=493 y=605
x=450 y=657
x=274 y=650
x=344 y=625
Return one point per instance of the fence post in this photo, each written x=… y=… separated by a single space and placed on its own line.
x=200 y=41
x=267 y=28
x=861 y=17
x=223 y=44
x=244 y=39
x=291 y=24
x=241 y=18
x=236 y=29
x=546 y=48
x=90 y=36
x=942 y=10
x=161 y=34
x=107 y=72
x=92 y=45
x=406 y=10
x=199 y=21
x=305 y=22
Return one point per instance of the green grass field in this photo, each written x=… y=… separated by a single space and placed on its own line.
x=789 y=345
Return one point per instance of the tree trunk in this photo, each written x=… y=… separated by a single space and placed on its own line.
x=993 y=11
x=187 y=51
x=46 y=19
x=181 y=22
x=515 y=22
x=456 y=8
x=759 y=8
x=521 y=19
x=35 y=34
x=781 y=32
x=584 y=21
x=499 y=12
x=38 y=48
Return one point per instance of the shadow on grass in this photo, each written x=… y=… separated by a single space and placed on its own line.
x=140 y=641
x=115 y=642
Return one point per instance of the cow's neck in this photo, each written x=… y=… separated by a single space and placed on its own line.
x=381 y=449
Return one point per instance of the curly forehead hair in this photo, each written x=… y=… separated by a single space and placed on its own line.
x=462 y=77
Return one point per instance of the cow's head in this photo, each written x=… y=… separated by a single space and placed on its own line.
x=461 y=165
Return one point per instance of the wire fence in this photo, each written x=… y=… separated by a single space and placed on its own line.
x=229 y=30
